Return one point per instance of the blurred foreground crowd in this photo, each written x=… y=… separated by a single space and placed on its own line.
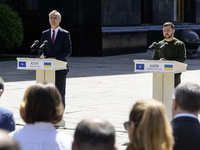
x=148 y=127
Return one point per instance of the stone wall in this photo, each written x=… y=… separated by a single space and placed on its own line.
x=120 y=12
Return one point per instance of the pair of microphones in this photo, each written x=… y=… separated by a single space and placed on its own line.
x=41 y=48
x=36 y=42
x=154 y=44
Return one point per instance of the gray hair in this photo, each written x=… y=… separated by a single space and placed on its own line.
x=187 y=96
x=55 y=12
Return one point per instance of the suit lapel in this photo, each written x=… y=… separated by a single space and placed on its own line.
x=57 y=37
x=49 y=36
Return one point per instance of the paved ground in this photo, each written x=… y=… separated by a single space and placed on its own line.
x=96 y=86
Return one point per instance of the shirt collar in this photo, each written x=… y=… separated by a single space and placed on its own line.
x=40 y=125
x=56 y=30
x=185 y=115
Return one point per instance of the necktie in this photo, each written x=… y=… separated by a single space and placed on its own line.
x=52 y=39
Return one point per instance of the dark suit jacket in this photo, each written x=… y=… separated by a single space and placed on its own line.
x=186 y=131
x=7 y=121
x=62 y=47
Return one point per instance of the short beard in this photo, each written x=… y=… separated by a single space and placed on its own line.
x=170 y=36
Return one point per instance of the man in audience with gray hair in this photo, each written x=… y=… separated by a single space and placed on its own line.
x=185 y=110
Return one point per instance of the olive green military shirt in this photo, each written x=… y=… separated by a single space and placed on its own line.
x=175 y=50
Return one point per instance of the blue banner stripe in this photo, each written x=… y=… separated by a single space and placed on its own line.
x=47 y=63
x=168 y=66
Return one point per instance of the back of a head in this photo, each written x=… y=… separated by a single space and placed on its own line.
x=93 y=133
x=187 y=96
x=7 y=142
x=153 y=131
x=42 y=103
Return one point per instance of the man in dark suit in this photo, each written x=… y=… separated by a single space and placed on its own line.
x=59 y=47
x=7 y=121
x=185 y=110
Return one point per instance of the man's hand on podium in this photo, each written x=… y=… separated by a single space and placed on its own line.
x=163 y=59
x=42 y=56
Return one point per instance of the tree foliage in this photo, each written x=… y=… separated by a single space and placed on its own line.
x=11 y=29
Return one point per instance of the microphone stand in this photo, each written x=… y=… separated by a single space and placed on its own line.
x=156 y=53
x=38 y=51
x=161 y=50
x=41 y=51
x=150 y=50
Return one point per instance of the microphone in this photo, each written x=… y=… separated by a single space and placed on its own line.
x=164 y=45
x=36 y=42
x=43 y=44
x=153 y=45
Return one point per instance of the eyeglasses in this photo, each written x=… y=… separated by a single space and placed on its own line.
x=126 y=125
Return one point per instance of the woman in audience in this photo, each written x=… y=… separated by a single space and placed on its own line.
x=148 y=127
x=41 y=108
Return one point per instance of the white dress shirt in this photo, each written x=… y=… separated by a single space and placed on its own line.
x=185 y=115
x=56 y=32
x=41 y=136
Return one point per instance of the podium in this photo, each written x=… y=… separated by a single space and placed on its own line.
x=163 y=78
x=45 y=68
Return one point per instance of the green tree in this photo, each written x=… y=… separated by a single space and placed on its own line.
x=11 y=29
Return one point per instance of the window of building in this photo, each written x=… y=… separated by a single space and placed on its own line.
x=179 y=10
x=31 y=5
x=146 y=11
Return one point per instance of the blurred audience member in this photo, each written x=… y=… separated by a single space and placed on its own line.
x=7 y=142
x=40 y=109
x=94 y=134
x=185 y=109
x=7 y=121
x=148 y=127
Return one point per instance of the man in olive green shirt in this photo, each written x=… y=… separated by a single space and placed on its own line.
x=175 y=49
